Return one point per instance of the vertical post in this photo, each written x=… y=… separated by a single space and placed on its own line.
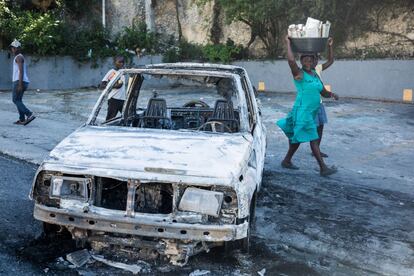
x=103 y=14
x=132 y=187
x=407 y=95
x=261 y=87
x=149 y=15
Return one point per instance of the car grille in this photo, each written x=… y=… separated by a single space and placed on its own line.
x=152 y=198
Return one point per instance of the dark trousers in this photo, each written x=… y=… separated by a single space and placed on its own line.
x=17 y=98
x=114 y=106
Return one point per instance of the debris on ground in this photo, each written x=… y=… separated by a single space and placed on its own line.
x=60 y=264
x=135 y=269
x=199 y=272
x=79 y=258
x=164 y=269
x=243 y=259
x=262 y=272
x=285 y=246
x=238 y=273
x=86 y=273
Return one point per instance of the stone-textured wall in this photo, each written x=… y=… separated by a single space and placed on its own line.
x=195 y=21
x=394 y=35
x=166 y=18
x=121 y=13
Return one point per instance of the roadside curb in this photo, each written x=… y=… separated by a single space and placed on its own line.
x=15 y=158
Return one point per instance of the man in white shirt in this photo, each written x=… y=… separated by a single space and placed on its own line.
x=321 y=117
x=117 y=95
x=20 y=84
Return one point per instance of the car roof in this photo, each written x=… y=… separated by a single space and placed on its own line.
x=199 y=66
x=191 y=71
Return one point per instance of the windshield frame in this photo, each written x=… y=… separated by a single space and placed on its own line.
x=134 y=73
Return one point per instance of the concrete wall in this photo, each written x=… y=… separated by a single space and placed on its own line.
x=60 y=72
x=5 y=71
x=377 y=79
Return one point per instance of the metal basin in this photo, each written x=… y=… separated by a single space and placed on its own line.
x=309 y=44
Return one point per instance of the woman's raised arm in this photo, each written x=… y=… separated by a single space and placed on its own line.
x=296 y=72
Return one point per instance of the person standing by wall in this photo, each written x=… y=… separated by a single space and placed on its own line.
x=321 y=119
x=20 y=84
x=117 y=95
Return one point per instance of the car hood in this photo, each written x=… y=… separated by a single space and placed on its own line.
x=152 y=155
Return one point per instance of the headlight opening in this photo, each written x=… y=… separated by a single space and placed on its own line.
x=69 y=187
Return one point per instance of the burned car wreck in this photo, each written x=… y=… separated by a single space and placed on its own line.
x=173 y=175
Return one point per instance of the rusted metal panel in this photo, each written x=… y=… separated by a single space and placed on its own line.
x=114 y=152
x=140 y=225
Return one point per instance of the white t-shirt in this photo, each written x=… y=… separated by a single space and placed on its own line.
x=16 y=70
x=116 y=93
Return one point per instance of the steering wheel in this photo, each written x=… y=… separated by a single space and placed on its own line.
x=196 y=103
x=213 y=125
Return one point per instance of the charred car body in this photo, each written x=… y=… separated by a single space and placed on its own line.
x=175 y=174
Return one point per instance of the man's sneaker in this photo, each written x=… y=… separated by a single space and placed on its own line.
x=18 y=122
x=29 y=119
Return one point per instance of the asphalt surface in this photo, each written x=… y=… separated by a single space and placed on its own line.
x=359 y=221
x=17 y=226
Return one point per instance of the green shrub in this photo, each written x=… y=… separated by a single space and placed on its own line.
x=183 y=51
x=5 y=15
x=221 y=52
x=89 y=43
x=42 y=34
x=76 y=8
x=172 y=54
x=190 y=51
x=136 y=38
x=186 y=51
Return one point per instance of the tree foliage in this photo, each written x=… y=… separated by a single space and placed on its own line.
x=269 y=19
x=68 y=27
x=56 y=32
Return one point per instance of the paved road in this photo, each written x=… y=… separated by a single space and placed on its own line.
x=359 y=221
x=17 y=226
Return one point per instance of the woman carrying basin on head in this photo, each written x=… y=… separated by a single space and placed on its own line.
x=299 y=125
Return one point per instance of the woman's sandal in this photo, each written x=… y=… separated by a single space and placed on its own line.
x=328 y=171
x=289 y=166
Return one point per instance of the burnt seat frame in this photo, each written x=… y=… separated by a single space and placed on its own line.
x=155 y=116
x=224 y=113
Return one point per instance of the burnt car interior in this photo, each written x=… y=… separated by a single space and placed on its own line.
x=180 y=103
